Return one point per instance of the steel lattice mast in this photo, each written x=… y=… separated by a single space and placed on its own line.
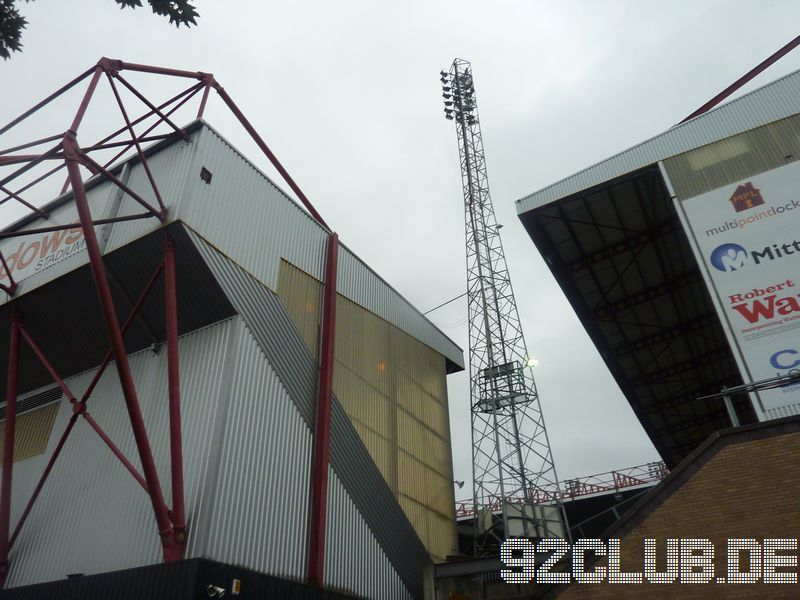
x=513 y=468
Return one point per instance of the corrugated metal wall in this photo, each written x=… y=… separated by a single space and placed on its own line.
x=173 y=169
x=279 y=339
x=266 y=226
x=242 y=213
x=92 y=516
x=32 y=431
x=393 y=389
x=734 y=159
x=354 y=559
x=260 y=502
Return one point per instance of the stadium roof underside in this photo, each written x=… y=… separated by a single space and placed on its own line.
x=612 y=237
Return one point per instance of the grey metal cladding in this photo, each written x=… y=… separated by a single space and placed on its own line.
x=351 y=550
x=266 y=225
x=265 y=316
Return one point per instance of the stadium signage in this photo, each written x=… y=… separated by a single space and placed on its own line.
x=752 y=273
x=27 y=255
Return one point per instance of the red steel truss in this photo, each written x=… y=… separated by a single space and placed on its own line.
x=34 y=163
x=569 y=489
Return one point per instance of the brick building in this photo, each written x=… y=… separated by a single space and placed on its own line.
x=729 y=487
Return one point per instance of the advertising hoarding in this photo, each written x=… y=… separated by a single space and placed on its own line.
x=747 y=235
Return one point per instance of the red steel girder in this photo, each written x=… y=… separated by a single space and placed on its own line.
x=171 y=524
x=170 y=547
x=8 y=443
x=79 y=409
x=322 y=424
x=173 y=380
x=758 y=69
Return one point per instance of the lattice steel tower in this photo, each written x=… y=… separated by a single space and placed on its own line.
x=515 y=488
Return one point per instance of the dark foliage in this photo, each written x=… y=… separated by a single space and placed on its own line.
x=179 y=12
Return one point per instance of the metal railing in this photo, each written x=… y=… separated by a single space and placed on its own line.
x=569 y=489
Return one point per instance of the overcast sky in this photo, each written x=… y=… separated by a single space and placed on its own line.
x=347 y=94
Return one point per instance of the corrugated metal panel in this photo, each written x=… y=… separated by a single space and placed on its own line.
x=260 y=506
x=735 y=158
x=245 y=215
x=772 y=102
x=393 y=388
x=92 y=516
x=354 y=559
x=302 y=295
x=363 y=286
x=370 y=493
x=287 y=353
x=31 y=432
x=171 y=168
x=267 y=226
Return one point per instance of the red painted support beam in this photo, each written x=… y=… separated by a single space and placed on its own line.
x=174 y=382
x=8 y=445
x=322 y=423
x=272 y=158
x=171 y=549
x=761 y=67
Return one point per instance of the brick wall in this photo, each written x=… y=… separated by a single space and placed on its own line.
x=747 y=486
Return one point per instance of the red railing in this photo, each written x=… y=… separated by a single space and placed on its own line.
x=569 y=489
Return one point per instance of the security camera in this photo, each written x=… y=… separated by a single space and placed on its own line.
x=214 y=591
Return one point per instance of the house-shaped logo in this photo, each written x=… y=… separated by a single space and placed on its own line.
x=746 y=196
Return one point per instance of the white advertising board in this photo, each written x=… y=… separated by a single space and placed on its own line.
x=30 y=254
x=748 y=236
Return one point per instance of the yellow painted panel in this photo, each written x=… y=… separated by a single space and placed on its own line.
x=394 y=391
x=32 y=432
x=417 y=515
x=362 y=401
x=377 y=446
x=437 y=453
x=362 y=344
x=442 y=536
x=302 y=296
x=411 y=477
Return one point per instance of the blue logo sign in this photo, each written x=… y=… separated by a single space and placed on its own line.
x=728 y=257
x=785 y=359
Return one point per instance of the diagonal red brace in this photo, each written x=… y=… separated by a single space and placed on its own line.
x=170 y=547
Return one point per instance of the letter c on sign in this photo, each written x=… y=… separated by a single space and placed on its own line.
x=775 y=359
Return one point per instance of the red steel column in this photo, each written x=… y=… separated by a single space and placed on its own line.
x=8 y=444
x=171 y=550
x=322 y=423
x=173 y=376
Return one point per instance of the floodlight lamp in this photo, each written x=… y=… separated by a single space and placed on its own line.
x=443 y=79
x=448 y=103
x=449 y=117
x=531 y=361
x=447 y=96
x=446 y=88
x=443 y=73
